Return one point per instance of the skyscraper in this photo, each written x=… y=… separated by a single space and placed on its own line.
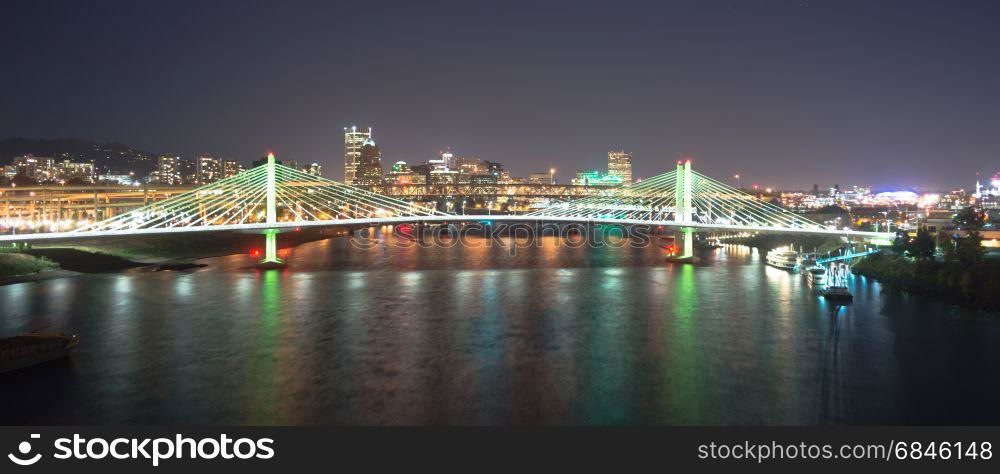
x=169 y=169
x=231 y=168
x=369 y=164
x=209 y=169
x=620 y=165
x=354 y=139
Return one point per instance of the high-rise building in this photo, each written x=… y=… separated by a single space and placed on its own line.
x=68 y=170
x=354 y=139
x=449 y=159
x=494 y=167
x=620 y=166
x=209 y=169
x=444 y=161
x=169 y=169
x=369 y=164
x=314 y=169
x=231 y=168
x=35 y=167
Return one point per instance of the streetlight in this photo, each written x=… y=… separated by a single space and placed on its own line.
x=552 y=176
x=737 y=177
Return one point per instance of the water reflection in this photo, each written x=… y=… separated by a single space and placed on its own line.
x=684 y=392
x=554 y=334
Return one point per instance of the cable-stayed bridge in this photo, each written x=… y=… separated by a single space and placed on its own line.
x=272 y=197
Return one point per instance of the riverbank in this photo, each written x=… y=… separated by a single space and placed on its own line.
x=183 y=248
x=49 y=263
x=20 y=265
x=975 y=286
x=85 y=262
x=161 y=253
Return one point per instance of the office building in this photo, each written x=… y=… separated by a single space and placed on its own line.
x=368 y=169
x=169 y=169
x=354 y=139
x=231 y=168
x=620 y=166
x=209 y=169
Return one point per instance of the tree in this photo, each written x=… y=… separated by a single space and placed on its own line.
x=901 y=243
x=923 y=246
x=23 y=180
x=831 y=209
x=970 y=248
x=949 y=247
x=970 y=218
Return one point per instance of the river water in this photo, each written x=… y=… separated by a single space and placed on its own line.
x=474 y=335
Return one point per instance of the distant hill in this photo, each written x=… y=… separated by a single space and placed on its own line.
x=107 y=158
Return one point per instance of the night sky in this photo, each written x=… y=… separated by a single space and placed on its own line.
x=788 y=93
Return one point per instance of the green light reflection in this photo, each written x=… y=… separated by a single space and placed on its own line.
x=683 y=365
x=263 y=368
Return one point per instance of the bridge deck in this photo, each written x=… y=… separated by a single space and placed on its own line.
x=443 y=219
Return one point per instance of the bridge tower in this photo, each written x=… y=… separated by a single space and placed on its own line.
x=271 y=259
x=684 y=209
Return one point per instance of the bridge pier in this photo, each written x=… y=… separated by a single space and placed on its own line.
x=271 y=259
x=271 y=249
x=683 y=213
x=688 y=242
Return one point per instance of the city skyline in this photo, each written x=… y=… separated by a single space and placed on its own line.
x=234 y=164
x=879 y=92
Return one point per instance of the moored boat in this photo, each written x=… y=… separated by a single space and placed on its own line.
x=35 y=348
x=783 y=259
x=816 y=275
x=839 y=294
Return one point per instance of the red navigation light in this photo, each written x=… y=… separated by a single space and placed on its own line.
x=255 y=253
x=298 y=229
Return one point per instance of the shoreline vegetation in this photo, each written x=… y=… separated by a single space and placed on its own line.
x=976 y=285
x=964 y=276
x=20 y=265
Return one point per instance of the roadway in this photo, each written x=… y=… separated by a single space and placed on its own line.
x=698 y=226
